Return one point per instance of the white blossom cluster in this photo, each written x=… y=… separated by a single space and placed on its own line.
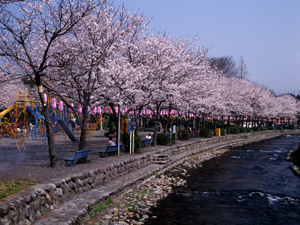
x=93 y=54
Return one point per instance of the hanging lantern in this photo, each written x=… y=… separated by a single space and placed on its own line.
x=105 y=109
x=45 y=96
x=99 y=110
x=70 y=110
x=53 y=103
x=110 y=110
x=125 y=110
x=94 y=110
x=60 y=105
x=79 y=109
x=116 y=109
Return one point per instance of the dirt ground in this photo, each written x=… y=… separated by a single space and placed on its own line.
x=32 y=164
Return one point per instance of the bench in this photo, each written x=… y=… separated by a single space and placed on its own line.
x=82 y=154
x=110 y=149
x=146 y=142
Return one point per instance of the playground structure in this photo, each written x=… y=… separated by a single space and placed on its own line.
x=27 y=108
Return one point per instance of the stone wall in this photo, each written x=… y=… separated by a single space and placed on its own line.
x=37 y=201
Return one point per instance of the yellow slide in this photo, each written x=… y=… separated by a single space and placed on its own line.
x=6 y=111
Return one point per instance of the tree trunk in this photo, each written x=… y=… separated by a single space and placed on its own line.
x=199 y=124
x=83 y=125
x=49 y=128
x=48 y=123
x=156 y=125
x=222 y=123
x=180 y=128
x=228 y=125
x=215 y=127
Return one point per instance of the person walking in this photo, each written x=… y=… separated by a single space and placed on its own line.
x=31 y=131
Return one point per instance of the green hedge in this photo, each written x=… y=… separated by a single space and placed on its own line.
x=205 y=132
x=255 y=129
x=292 y=126
x=185 y=135
x=137 y=142
x=234 y=130
x=163 y=139
x=223 y=132
x=242 y=129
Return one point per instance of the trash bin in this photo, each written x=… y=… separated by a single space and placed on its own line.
x=218 y=132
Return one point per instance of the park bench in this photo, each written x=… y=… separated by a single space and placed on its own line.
x=82 y=154
x=110 y=149
x=146 y=142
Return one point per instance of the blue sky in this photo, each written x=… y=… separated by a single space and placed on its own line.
x=265 y=32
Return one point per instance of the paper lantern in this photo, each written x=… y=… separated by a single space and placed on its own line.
x=94 y=110
x=45 y=96
x=60 y=105
x=79 y=109
x=99 y=110
x=53 y=103
x=70 y=110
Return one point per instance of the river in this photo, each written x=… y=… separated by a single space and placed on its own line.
x=251 y=184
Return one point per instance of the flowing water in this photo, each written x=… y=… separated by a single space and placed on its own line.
x=251 y=184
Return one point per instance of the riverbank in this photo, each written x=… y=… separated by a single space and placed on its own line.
x=71 y=198
x=294 y=156
x=135 y=207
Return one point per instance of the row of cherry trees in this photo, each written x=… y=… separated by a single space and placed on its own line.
x=91 y=53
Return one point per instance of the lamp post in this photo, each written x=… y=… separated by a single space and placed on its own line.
x=119 y=127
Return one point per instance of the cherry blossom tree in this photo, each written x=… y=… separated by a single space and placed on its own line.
x=28 y=43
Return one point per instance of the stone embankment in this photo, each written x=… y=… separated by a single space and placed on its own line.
x=293 y=167
x=67 y=201
x=136 y=206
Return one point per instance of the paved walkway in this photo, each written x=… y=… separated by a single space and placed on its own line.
x=32 y=164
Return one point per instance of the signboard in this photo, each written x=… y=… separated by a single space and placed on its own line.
x=133 y=123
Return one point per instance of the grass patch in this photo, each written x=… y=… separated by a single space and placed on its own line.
x=9 y=188
x=97 y=208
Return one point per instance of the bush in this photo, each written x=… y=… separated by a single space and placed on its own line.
x=223 y=132
x=270 y=128
x=163 y=139
x=292 y=126
x=137 y=142
x=242 y=129
x=205 y=132
x=234 y=130
x=255 y=129
x=185 y=135
x=249 y=130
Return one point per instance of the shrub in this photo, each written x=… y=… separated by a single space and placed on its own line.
x=255 y=129
x=185 y=135
x=137 y=142
x=163 y=139
x=292 y=126
x=242 y=129
x=205 y=132
x=223 y=132
x=270 y=128
x=249 y=130
x=234 y=130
